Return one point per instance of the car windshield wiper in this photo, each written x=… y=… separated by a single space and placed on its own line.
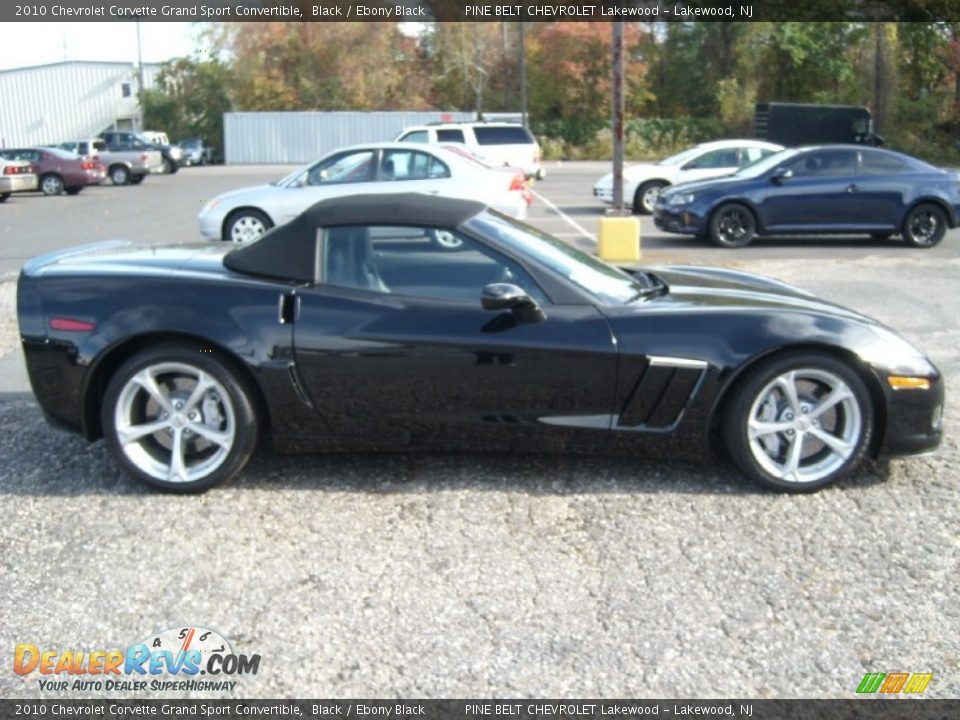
x=646 y=285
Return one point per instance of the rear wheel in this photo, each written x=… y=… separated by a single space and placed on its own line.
x=733 y=226
x=646 y=196
x=51 y=184
x=136 y=179
x=120 y=175
x=925 y=226
x=178 y=419
x=799 y=422
x=246 y=225
x=4 y=196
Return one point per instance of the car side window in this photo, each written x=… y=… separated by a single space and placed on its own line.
x=411 y=165
x=750 y=155
x=876 y=163
x=417 y=136
x=726 y=157
x=450 y=136
x=825 y=163
x=348 y=167
x=417 y=261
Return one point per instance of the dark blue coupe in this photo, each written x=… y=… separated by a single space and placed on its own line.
x=835 y=189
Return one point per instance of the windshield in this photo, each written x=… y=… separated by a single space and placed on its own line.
x=681 y=158
x=768 y=163
x=605 y=282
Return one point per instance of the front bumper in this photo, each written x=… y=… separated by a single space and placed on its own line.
x=604 y=193
x=914 y=420
x=210 y=225
x=677 y=219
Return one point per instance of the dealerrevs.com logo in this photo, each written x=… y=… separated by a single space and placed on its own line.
x=180 y=659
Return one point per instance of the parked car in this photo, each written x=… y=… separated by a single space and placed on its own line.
x=830 y=189
x=124 y=140
x=196 y=152
x=644 y=181
x=59 y=170
x=348 y=327
x=16 y=176
x=377 y=168
x=499 y=143
x=124 y=167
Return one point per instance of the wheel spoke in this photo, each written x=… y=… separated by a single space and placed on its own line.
x=146 y=380
x=758 y=428
x=788 y=383
x=836 y=396
x=178 y=467
x=204 y=383
x=132 y=433
x=791 y=469
x=839 y=446
x=223 y=439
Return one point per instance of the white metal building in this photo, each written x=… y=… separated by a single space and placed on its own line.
x=69 y=100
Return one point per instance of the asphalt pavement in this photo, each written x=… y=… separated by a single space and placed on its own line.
x=427 y=575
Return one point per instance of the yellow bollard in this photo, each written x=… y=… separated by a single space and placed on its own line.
x=618 y=239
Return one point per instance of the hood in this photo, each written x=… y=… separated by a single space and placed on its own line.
x=247 y=194
x=693 y=286
x=699 y=185
x=122 y=256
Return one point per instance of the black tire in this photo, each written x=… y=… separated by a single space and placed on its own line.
x=51 y=184
x=224 y=410
x=136 y=179
x=733 y=225
x=119 y=174
x=925 y=226
x=757 y=450
x=245 y=225
x=74 y=189
x=4 y=196
x=170 y=167
x=644 y=198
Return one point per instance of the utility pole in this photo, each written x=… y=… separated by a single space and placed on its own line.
x=618 y=110
x=523 y=73
x=140 y=69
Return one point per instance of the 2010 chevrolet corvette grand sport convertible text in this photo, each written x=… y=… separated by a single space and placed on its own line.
x=397 y=321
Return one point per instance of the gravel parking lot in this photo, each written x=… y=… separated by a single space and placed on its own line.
x=459 y=575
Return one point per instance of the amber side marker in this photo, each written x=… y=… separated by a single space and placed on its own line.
x=903 y=382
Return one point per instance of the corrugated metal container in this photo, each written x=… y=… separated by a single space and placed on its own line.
x=68 y=100
x=299 y=137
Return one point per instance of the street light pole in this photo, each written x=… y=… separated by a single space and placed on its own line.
x=618 y=110
x=140 y=71
x=523 y=73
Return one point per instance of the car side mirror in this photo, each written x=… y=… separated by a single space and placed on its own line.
x=780 y=174
x=506 y=296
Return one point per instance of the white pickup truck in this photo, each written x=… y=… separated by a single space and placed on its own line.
x=124 y=167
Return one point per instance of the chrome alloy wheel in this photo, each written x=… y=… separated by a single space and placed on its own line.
x=247 y=228
x=649 y=198
x=923 y=227
x=804 y=425
x=175 y=422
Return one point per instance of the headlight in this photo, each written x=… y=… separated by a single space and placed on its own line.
x=680 y=199
x=898 y=358
x=210 y=206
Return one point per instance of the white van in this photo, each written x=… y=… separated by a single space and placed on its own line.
x=499 y=143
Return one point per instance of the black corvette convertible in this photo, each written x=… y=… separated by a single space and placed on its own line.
x=398 y=321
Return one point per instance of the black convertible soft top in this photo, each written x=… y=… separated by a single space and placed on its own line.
x=289 y=251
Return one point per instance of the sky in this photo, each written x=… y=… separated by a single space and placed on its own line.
x=26 y=43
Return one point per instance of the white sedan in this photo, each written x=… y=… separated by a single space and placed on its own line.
x=246 y=214
x=644 y=181
x=16 y=176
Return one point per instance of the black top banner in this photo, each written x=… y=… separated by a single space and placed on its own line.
x=485 y=709
x=480 y=11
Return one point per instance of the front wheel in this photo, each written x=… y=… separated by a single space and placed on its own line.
x=925 y=226
x=733 y=226
x=4 y=196
x=120 y=175
x=799 y=422
x=179 y=419
x=646 y=196
x=245 y=225
x=51 y=184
